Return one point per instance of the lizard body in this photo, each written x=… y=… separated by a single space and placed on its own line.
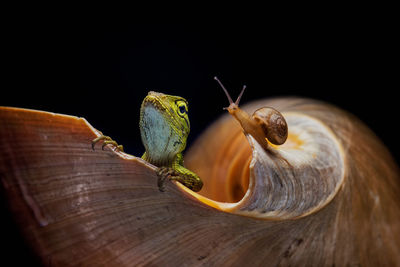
x=164 y=127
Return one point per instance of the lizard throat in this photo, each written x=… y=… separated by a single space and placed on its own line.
x=160 y=137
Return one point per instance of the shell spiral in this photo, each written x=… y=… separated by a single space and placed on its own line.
x=273 y=124
x=329 y=196
x=288 y=181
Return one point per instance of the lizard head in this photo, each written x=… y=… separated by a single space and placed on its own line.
x=164 y=124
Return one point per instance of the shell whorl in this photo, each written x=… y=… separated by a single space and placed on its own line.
x=284 y=182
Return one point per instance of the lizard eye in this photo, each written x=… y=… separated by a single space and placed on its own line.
x=182 y=109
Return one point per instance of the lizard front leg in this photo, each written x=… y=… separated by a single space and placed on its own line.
x=178 y=172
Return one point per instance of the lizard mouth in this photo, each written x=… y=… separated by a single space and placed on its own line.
x=154 y=99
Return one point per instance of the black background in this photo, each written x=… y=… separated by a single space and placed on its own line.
x=102 y=72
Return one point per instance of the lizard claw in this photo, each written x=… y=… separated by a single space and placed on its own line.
x=163 y=173
x=171 y=174
x=107 y=141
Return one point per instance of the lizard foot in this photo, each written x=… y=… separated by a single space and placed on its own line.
x=163 y=173
x=192 y=182
x=107 y=141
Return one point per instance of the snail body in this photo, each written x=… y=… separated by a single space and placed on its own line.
x=329 y=195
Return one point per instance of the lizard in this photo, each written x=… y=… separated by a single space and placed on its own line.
x=164 y=128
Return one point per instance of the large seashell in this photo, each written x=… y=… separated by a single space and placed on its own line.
x=328 y=196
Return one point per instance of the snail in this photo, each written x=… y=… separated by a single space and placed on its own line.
x=266 y=123
x=327 y=196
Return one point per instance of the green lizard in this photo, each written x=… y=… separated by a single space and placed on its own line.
x=164 y=128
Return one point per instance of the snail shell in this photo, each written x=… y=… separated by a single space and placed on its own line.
x=272 y=123
x=328 y=196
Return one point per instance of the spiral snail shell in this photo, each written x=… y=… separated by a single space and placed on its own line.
x=272 y=123
x=328 y=195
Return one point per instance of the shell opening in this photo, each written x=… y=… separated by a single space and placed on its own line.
x=228 y=181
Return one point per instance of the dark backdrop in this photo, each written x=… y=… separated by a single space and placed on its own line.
x=102 y=73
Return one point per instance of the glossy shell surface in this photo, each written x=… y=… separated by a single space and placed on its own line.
x=333 y=201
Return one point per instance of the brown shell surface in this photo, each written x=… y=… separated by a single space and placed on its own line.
x=77 y=206
x=273 y=124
